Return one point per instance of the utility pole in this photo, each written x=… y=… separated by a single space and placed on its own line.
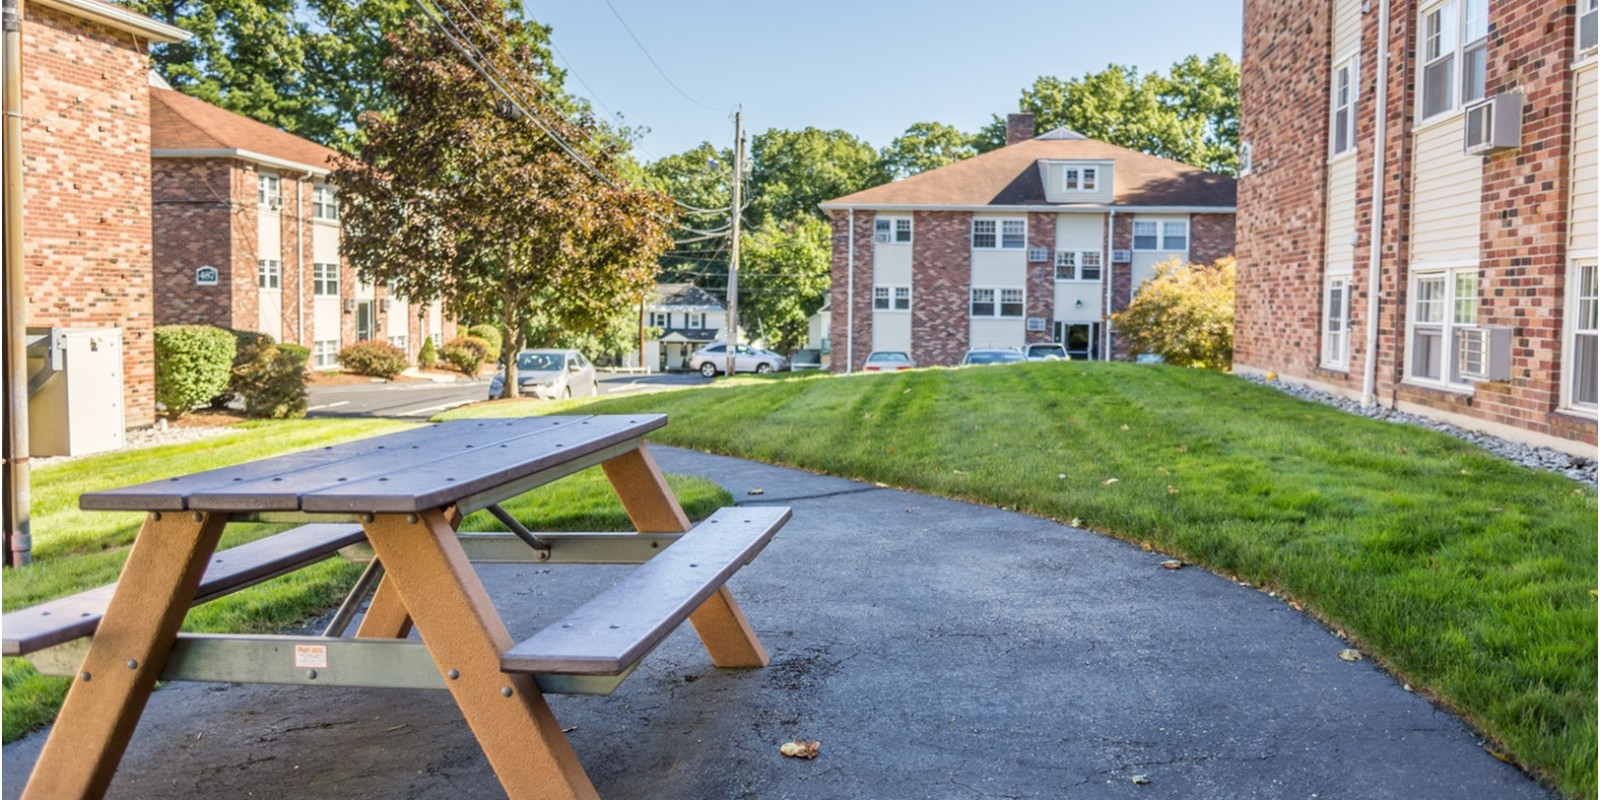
x=733 y=263
x=18 y=536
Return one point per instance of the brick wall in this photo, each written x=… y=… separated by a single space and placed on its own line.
x=192 y=216
x=86 y=214
x=941 y=277
x=840 y=334
x=1211 y=236
x=1042 y=276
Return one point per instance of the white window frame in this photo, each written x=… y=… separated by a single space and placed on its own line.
x=891 y=230
x=269 y=275
x=1448 y=34
x=997 y=298
x=891 y=299
x=660 y=319
x=1336 y=322
x=990 y=297
x=1012 y=296
x=992 y=231
x=1166 y=226
x=1247 y=153
x=1013 y=230
x=1582 y=320
x=324 y=203
x=269 y=190
x=325 y=354
x=1080 y=179
x=402 y=341
x=696 y=320
x=1077 y=263
x=1343 y=94
x=1155 y=233
x=325 y=280
x=1590 y=9
x=1453 y=315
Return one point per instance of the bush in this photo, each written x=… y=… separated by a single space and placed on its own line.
x=193 y=364
x=245 y=345
x=1184 y=314
x=465 y=353
x=375 y=358
x=273 y=383
x=428 y=356
x=491 y=339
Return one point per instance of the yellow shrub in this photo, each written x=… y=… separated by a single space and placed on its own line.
x=1184 y=314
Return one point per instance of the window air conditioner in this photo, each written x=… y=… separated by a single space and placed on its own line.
x=1494 y=123
x=275 y=203
x=1483 y=353
x=349 y=305
x=1038 y=255
x=383 y=305
x=1121 y=256
x=882 y=238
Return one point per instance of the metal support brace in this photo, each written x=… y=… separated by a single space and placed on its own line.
x=352 y=602
x=516 y=527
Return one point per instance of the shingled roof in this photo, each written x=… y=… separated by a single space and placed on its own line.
x=1010 y=176
x=182 y=126
x=686 y=295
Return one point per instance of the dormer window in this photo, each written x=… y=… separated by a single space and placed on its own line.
x=1081 y=179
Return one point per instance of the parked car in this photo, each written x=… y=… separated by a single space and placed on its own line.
x=805 y=359
x=887 y=361
x=992 y=357
x=713 y=359
x=550 y=374
x=1046 y=351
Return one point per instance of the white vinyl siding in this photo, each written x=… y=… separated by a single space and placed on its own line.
x=1446 y=198
x=1584 y=216
x=1338 y=253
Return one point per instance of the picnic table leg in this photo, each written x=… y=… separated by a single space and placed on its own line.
x=386 y=616
x=465 y=635
x=652 y=506
x=129 y=650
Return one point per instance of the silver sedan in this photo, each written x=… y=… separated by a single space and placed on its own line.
x=551 y=375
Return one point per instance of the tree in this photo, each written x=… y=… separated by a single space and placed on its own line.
x=784 y=278
x=458 y=195
x=1190 y=114
x=346 y=43
x=925 y=146
x=794 y=171
x=698 y=177
x=1184 y=314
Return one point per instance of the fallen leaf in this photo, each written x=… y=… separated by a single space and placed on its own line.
x=1496 y=509
x=757 y=491
x=908 y=391
x=799 y=749
x=1124 y=427
x=1497 y=754
x=1400 y=450
x=1162 y=470
x=1171 y=489
x=1140 y=780
x=890 y=450
x=1464 y=472
x=1296 y=606
x=1350 y=654
x=1061 y=476
x=1108 y=481
x=958 y=472
x=1406 y=687
x=1145 y=546
x=1172 y=563
x=1076 y=522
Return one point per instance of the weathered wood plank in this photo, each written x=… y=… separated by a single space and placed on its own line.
x=67 y=618
x=613 y=631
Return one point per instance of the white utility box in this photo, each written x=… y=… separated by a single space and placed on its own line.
x=74 y=391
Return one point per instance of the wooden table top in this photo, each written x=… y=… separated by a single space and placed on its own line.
x=411 y=471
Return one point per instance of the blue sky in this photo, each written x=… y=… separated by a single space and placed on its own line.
x=869 y=67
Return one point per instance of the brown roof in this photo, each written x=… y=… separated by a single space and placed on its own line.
x=181 y=122
x=1010 y=177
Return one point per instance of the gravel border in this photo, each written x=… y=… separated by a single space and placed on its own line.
x=149 y=436
x=1577 y=468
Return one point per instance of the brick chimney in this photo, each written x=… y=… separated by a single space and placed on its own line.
x=1019 y=128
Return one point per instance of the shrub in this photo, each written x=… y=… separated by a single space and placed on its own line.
x=193 y=363
x=491 y=339
x=1184 y=314
x=465 y=353
x=273 y=383
x=428 y=356
x=245 y=346
x=375 y=358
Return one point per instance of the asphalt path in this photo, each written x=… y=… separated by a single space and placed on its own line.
x=418 y=400
x=935 y=649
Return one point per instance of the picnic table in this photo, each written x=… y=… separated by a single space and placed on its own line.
x=395 y=501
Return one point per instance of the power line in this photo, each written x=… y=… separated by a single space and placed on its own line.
x=653 y=63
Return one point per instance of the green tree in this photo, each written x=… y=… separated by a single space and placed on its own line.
x=698 y=178
x=1190 y=114
x=794 y=171
x=1184 y=314
x=925 y=146
x=346 y=43
x=457 y=196
x=784 y=279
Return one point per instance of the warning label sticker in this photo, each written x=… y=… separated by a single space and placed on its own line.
x=311 y=656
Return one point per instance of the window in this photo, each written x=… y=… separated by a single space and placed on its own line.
x=902 y=298
x=1588 y=12
x=1144 y=236
x=1078 y=265
x=1010 y=302
x=891 y=298
x=325 y=280
x=269 y=274
x=1175 y=236
x=267 y=190
x=1336 y=323
x=983 y=234
x=696 y=320
x=398 y=341
x=1583 y=370
x=323 y=204
x=1451 y=33
x=1247 y=154
x=1440 y=303
x=982 y=302
x=1343 y=124
x=660 y=319
x=1013 y=234
x=891 y=231
x=1081 y=179
x=325 y=354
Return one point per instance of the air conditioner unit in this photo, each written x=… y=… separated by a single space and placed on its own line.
x=349 y=305
x=1494 y=123
x=1121 y=256
x=383 y=305
x=883 y=238
x=1038 y=255
x=275 y=203
x=1483 y=353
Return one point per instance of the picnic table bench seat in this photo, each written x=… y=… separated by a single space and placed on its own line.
x=64 y=619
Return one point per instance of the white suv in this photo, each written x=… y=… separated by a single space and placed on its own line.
x=713 y=359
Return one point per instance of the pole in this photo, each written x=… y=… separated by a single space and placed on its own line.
x=641 y=336
x=1369 y=373
x=18 y=535
x=733 y=262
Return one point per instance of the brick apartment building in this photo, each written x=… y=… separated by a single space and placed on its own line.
x=1037 y=241
x=86 y=182
x=1483 y=247
x=247 y=237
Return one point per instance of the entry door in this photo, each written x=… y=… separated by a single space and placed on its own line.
x=1082 y=339
x=366 y=321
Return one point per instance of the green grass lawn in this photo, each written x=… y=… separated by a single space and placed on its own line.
x=76 y=550
x=1468 y=576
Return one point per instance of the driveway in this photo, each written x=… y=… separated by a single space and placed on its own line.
x=936 y=649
